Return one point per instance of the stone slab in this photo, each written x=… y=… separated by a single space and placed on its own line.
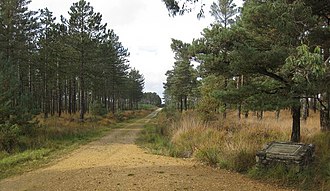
x=280 y=148
x=286 y=152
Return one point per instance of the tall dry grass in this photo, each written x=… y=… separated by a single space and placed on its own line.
x=232 y=142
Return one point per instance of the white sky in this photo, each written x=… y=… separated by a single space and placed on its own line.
x=144 y=27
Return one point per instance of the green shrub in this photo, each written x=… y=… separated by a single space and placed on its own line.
x=9 y=137
x=97 y=109
x=210 y=156
x=242 y=161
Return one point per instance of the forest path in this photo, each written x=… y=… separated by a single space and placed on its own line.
x=115 y=163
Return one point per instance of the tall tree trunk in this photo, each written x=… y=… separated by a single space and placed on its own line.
x=59 y=92
x=295 y=135
x=239 y=111
x=30 y=79
x=82 y=101
x=66 y=96
x=185 y=103
x=45 y=94
x=324 y=111
x=113 y=106
x=224 y=115
x=314 y=103
x=74 y=96
x=70 y=90
x=181 y=104
x=105 y=101
x=305 y=109
x=239 y=84
x=325 y=114
x=52 y=103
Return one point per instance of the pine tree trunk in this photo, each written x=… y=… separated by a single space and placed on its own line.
x=325 y=114
x=66 y=96
x=53 y=103
x=113 y=106
x=239 y=83
x=45 y=96
x=70 y=97
x=324 y=111
x=30 y=79
x=224 y=115
x=105 y=101
x=185 y=103
x=324 y=120
x=295 y=135
x=59 y=95
x=239 y=111
x=82 y=103
x=74 y=95
x=181 y=104
x=314 y=104
x=305 y=109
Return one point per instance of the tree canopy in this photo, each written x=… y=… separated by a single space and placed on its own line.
x=272 y=56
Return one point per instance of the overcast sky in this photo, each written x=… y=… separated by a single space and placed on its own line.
x=144 y=27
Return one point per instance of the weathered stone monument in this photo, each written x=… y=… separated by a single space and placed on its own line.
x=288 y=153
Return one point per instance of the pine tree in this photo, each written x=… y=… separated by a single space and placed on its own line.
x=136 y=85
x=182 y=80
x=85 y=28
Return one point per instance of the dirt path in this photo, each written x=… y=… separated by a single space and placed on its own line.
x=116 y=163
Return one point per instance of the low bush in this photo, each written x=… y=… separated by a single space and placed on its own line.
x=210 y=156
x=9 y=137
x=97 y=109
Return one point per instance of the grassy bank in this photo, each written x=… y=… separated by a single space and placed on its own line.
x=56 y=136
x=232 y=144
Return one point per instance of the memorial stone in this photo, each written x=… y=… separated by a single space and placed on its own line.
x=287 y=153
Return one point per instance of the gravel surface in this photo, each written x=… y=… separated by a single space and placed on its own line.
x=115 y=163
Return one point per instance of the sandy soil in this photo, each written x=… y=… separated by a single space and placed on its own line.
x=116 y=163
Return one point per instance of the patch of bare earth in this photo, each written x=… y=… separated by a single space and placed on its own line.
x=116 y=163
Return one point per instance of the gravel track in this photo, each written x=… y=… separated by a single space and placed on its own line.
x=115 y=163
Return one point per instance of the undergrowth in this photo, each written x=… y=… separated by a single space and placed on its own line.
x=232 y=144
